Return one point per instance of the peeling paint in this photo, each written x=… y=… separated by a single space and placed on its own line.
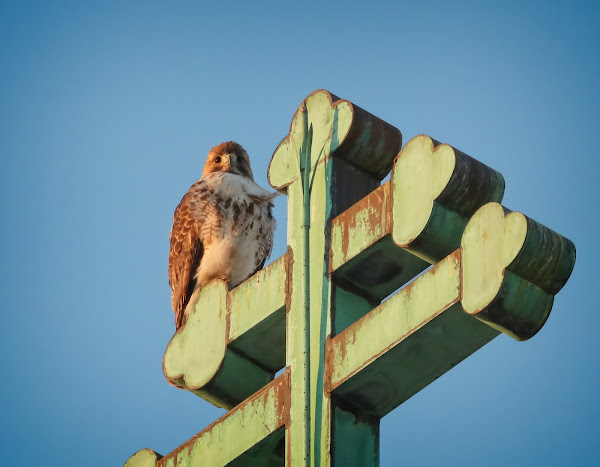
x=360 y=226
x=351 y=359
x=238 y=430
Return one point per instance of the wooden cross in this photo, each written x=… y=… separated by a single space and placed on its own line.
x=384 y=288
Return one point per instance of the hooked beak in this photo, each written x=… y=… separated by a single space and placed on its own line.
x=229 y=164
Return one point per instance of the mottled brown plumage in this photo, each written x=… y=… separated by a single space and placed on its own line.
x=222 y=228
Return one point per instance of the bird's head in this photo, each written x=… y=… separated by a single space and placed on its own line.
x=228 y=157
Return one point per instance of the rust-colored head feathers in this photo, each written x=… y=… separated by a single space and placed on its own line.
x=222 y=229
x=228 y=157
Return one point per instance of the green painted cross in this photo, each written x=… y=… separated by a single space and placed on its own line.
x=318 y=312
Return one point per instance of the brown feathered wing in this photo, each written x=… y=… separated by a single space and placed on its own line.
x=186 y=248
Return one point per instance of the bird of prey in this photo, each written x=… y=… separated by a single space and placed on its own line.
x=222 y=228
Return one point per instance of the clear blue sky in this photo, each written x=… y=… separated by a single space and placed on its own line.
x=107 y=110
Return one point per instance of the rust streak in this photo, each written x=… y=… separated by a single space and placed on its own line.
x=377 y=206
x=289 y=266
x=262 y=275
x=328 y=365
x=280 y=390
x=339 y=344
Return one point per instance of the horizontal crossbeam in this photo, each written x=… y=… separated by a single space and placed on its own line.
x=231 y=439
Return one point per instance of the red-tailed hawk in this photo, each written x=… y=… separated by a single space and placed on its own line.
x=222 y=228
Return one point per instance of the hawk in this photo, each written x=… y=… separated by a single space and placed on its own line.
x=222 y=228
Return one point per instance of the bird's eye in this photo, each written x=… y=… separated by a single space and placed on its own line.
x=218 y=159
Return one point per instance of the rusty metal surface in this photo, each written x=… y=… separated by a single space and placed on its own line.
x=351 y=359
x=435 y=189
x=258 y=332
x=405 y=343
x=371 y=144
x=513 y=266
x=360 y=226
x=422 y=331
x=342 y=129
x=208 y=359
x=363 y=256
x=266 y=287
x=329 y=130
x=237 y=431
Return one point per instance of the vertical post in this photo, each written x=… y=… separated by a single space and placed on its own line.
x=350 y=359
x=336 y=186
x=320 y=186
x=305 y=166
x=355 y=439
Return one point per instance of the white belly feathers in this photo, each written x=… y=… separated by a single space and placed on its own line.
x=238 y=236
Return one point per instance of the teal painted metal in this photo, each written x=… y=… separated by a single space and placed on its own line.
x=356 y=439
x=349 y=358
x=233 y=438
x=305 y=166
x=143 y=458
x=227 y=338
x=325 y=311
